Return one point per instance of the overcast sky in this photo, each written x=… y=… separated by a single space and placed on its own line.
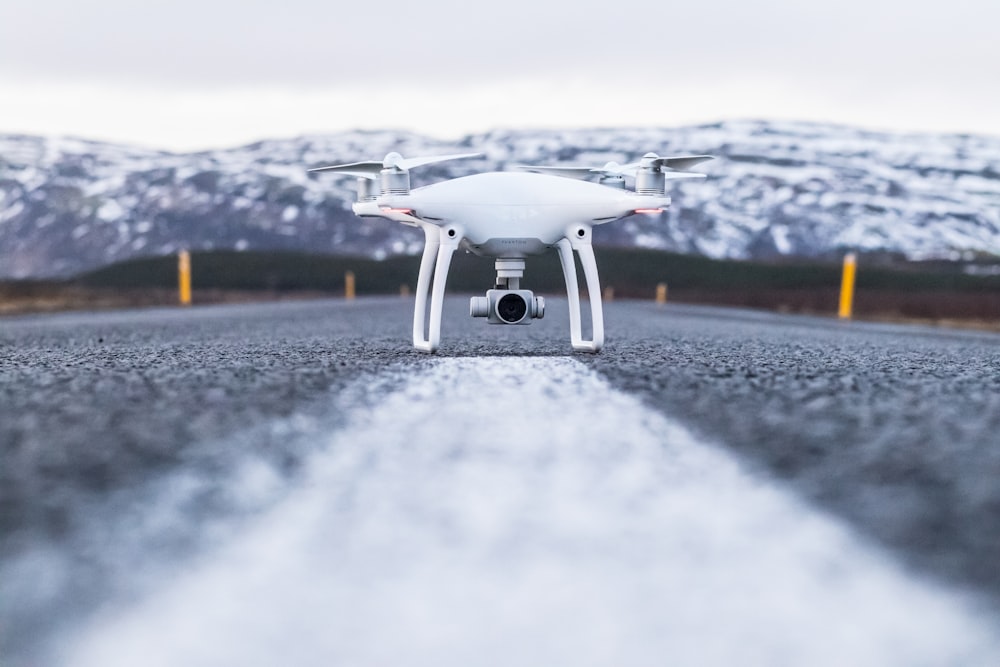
x=189 y=74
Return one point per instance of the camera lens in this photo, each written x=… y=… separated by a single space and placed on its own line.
x=512 y=308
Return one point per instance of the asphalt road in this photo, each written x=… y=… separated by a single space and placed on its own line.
x=891 y=429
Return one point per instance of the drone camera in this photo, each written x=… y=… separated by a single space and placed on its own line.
x=508 y=306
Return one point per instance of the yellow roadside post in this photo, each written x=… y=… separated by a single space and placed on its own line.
x=349 y=285
x=184 y=277
x=609 y=294
x=847 y=286
x=404 y=290
x=661 y=293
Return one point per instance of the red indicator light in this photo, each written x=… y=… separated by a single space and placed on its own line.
x=648 y=210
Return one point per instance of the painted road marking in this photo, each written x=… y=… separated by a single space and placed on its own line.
x=520 y=511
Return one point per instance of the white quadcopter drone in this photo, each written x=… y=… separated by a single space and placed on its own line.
x=509 y=216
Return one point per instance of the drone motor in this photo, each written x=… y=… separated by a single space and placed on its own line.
x=394 y=181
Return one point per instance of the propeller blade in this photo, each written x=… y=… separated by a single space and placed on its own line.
x=678 y=163
x=367 y=170
x=567 y=172
x=370 y=169
x=683 y=162
x=410 y=163
x=609 y=169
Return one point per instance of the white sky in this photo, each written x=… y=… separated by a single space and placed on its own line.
x=184 y=75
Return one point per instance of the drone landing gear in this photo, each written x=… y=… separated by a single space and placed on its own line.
x=585 y=250
x=443 y=242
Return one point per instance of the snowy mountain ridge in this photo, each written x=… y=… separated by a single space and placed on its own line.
x=774 y=189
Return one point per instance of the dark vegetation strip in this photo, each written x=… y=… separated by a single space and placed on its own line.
x=914 y=290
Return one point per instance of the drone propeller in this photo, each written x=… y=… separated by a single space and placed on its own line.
x=371 y=169
x=367 y=170
x=652 y=171
x=393 y=172
x=678 y=163
x=397 y=160
x=612 y=173
x=611 y=168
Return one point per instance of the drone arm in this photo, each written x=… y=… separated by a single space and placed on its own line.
x=586 y=252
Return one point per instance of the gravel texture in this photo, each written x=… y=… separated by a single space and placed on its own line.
x=895 y=429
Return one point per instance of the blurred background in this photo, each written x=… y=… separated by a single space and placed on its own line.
x=133 y=131
x=185 y=75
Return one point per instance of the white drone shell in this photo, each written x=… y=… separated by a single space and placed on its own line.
x=518 y=205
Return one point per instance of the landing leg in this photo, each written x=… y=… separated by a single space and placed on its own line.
x=432 y=241
x=586 y=252
x=442 y=242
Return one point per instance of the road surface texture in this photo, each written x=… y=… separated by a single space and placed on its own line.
x=293 y=483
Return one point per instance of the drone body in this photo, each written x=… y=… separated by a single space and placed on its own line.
x=514 y=214
x=509 y=216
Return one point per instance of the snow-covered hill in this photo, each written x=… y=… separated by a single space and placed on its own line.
x=776 y=188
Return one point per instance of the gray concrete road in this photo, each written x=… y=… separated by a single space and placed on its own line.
x=894 y=429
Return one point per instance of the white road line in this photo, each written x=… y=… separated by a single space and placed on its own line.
x=520 y=511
